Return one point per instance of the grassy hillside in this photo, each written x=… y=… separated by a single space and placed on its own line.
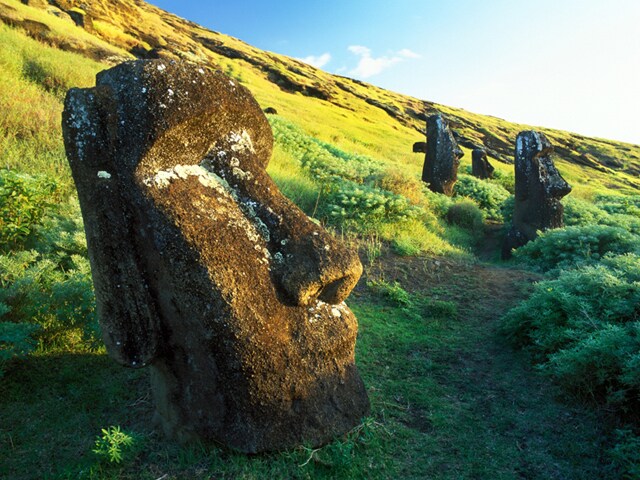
x=352 y=115
x=450 y=397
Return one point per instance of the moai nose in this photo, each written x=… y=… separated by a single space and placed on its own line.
x=319 y=267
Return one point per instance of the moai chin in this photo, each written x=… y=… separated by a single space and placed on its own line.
x=539 y=188
x=203 y=271
x=443 y=156
x=480 y=166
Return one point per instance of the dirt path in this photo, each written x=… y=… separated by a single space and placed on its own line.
x=499 y=406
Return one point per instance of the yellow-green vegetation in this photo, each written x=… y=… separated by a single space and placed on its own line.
x=35 y=78
x=448 y=397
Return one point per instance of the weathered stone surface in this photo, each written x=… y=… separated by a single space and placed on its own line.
x=203 y=270
x=420 y=147
x=539 y=188
x=443 y=156
x=480 y=166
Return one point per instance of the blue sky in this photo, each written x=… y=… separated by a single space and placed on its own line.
x=568 y=64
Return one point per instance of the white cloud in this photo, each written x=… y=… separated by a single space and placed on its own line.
x=319 y=61
x=406 y=53
x=369 y=66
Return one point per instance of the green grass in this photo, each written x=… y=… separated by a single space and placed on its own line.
x=35 y=78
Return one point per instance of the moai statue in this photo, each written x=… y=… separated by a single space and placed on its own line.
x=443 y=156
x=203 y=270
x=480 y=166
x=539 y=188
x=420 y=147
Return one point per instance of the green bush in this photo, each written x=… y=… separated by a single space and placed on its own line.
x=438 y=203
x=626 y=453
x=16 y=341
x=323 y=162
x=23 y=202
x=466 y=214
x=364 y=206
x=489 y=196
x=612 y=204
x=583 y=330
x=505 y=180
x=50 y=285
x=578 y=212
x=571 y=246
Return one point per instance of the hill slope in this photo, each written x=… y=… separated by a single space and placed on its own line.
x=350 y=114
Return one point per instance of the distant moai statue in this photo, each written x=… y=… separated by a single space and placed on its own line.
x=203 y=270
x=480 y=166
x=420 y=147
x=538 y=190
x=442 y=160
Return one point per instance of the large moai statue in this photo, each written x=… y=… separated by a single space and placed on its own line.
x=480 y=166
x=539 y=188
x=443 y=156
x=203 y=271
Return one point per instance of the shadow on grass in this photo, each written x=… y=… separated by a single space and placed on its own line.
x=53 y=406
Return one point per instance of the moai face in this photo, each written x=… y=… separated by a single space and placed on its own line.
x=202 y=269
x=539 y=186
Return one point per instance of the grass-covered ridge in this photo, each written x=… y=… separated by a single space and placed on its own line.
x=450 y=399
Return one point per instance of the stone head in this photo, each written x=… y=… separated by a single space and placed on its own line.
x=203 y=269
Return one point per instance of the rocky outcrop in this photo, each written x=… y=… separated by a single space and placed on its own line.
x=442 y=160
x=480 y=166
x=203 y=271
x=538 y=190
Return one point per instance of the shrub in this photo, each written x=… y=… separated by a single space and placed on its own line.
x=364 y=207
x=16 y=341
x=489 y=196
x=583 y=329
x=627 y=205
x=579 y=212
x=50 y=285
x=23 y=202
x=626 y=453
x=396 y=181
x=571 y=246
x=505 y=180
x=467 y=215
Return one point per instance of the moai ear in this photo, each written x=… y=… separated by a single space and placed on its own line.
x=126 y=308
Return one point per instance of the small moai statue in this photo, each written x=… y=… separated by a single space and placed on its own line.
x=420 y=147
x=480 y=166
x=443 y=156
x=538 y=190
x=203 y=271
